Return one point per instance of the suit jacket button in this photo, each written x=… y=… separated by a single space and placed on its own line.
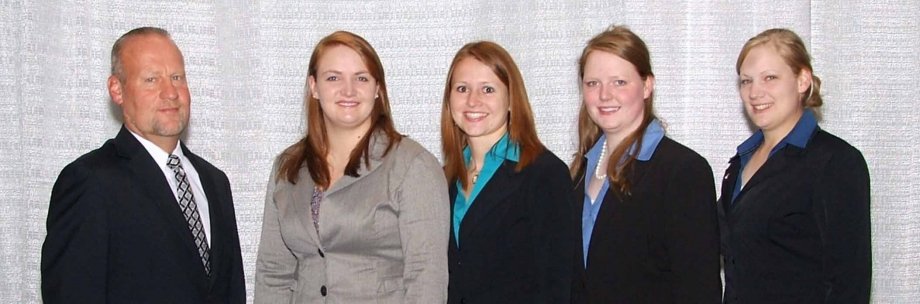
x=322 y=290
x=320 y=253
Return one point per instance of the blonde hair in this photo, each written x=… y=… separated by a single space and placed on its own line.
x=791 y=48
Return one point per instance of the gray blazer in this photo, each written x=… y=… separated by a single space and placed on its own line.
x=382 y=236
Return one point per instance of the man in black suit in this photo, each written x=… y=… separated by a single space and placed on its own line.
x=142 y=219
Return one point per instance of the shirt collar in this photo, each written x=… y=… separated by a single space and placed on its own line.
x=650 y=140
x=504 y=149
x=653 y=135
x=160 y=156
x=799 y=136
x=802 y=131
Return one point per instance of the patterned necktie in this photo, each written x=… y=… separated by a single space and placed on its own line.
x=190 y=211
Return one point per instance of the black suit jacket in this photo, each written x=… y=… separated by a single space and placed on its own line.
x=116 y=235
x=516 y=238
x=799 y=230
x=661 y=243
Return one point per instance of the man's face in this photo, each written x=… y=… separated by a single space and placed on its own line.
x=153 y=92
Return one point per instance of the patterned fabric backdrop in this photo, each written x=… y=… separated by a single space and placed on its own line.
x=247 y=60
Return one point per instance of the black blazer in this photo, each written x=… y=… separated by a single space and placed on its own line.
x=116 y=235
x=799 y=230
x=515 y=240
x=661 y=243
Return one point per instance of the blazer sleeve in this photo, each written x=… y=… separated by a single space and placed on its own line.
x=842 y=199
x=424 y=225
x=554 y=233
x=237 y=292
x=693 y=232
x=276 y=265
x=73 y=258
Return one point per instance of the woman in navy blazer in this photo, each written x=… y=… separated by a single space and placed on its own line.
x=646 y=203
x=794 y=210
x=510 y=239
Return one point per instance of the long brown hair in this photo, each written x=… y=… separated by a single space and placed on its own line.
x=521 y=127
x=791 y=48
x=619 y=41
x=314 y=146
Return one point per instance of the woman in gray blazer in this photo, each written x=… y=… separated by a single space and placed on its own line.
x=354 y=212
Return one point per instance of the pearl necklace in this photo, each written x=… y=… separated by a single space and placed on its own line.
x=597 y=169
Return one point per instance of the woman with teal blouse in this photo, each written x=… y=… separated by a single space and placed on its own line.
x=511 y=234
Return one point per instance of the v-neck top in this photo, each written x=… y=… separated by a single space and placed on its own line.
x=502 y=150
x=799 y=137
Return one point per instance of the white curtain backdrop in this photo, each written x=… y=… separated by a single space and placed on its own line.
x=247 y=60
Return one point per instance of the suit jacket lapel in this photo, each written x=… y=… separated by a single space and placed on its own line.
x=612 y=201
x=378 y=144
x=303 y=194
x=216 y=211
x=301 y=197
x=728 y=184
x=502 y=184
x=775 y=164
x=151 y=181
